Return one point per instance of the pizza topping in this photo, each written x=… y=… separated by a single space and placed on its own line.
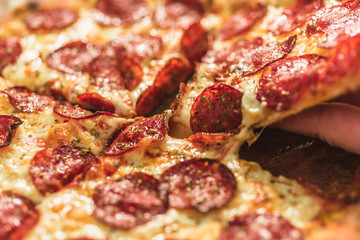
x=25 y=101
x=178 y=13
x=141 y=132
x=68 y=110
x=201 y=184
x=295 y=16
x=283 y=82
x=18 y=216
x=217 y=109
x=10 y=49
x=131 y=201
x=254 y=226
x=51 y=19
x=131 y=72
x=213 y=141
x=338 y=23
x=242 y=21
x=53 y=168
x=8 y=125
x=248 y=57
x=74 y=57
x=139 y=47
x=194 y=42
x=120 y=12
x=342 y=63
x=96 y=102
x=105 y=73
x=166 y=82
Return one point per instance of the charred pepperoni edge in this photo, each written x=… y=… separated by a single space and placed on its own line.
x=250 y=226
x=217 y=109
x=142 y=132
x=55 y=61
x=46 y=165
x=138 y=196
x=65 y=110
x=295 y=16
x=19 y=99
x=168 y=79
x=246 y=19
x=194 y=170
x=94 y=101
x=51 y=19
x=167 y=22
x=194 y=42
x=8 y=125
x=107 y=14
x=21 y=209
x=274 y=81
x=10 y=50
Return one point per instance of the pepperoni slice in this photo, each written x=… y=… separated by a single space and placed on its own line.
x=96 y=102
x=74 y=57
x=166 y=82
x=142 y=132
x=212 y=141
x=338 y=23
x=25 y=101
x=68 y=110
x=53 y=168
x=10 y=50
x=178 y=13
x=254 y=226
x=194 y=42
x=133 y=200
x=343 y=62
x=248 y=57
x=131 y=72
x=120 y=12
x=295 y=16
x=242 y=21
x=283 y=82
x=105 y=73
x=51 y=19
x=8 y=125
x=217 y=109
x=18 y=216
x=140 y=47
x=201 y=184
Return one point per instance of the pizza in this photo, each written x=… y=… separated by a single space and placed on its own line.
x=94 y=145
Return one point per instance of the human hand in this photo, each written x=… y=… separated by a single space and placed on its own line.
x=336 y=122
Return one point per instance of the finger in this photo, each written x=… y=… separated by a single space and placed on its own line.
x=336 y=123
x=352 y=98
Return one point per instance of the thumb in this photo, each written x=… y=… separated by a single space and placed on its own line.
x=338 y=124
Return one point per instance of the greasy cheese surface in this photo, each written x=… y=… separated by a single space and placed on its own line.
x=31 y=70
x=67 y=214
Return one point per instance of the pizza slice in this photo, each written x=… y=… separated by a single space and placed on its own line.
x=252 y=79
